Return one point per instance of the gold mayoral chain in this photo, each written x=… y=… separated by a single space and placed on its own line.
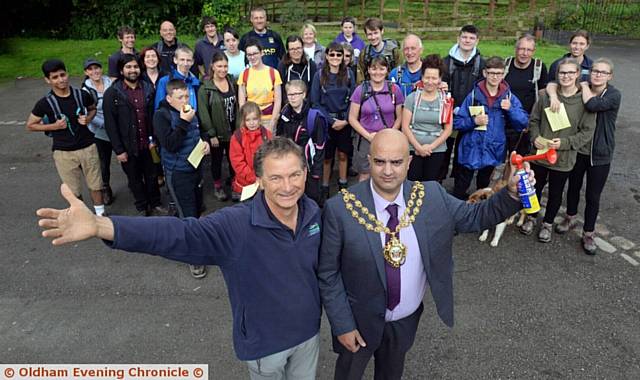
x=394 y=251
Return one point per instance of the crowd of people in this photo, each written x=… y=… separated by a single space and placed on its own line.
x=283 y=113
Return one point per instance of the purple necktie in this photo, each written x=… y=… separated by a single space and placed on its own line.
x=393 y=274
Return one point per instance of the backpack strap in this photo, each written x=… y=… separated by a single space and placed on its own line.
x=507 y=64
x=272 y=75
x=263 y=134
x=366 y=92
x=537 y=72
x=159 y=47
x=391 y=93
x=245 y=76
x=311 y=121
x=77 y=96
x=53 y=103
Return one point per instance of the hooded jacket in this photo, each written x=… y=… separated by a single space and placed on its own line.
x=293 y=125
x=212 y=113
x=356 y=43
x=192 y=85
x=461 y=74
x=177 y=137
x=120 y=119
x=479 y=149
x=603 y=143
x=97 y=123
x=583 y=123
x=241 y=155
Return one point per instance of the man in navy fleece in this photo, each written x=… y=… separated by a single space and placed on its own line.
x=272 y=239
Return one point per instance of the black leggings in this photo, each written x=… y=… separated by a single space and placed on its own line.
x=596 y=179
x=556 y=180
x=216 y=160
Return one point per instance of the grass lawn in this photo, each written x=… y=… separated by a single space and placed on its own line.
x=22 y=57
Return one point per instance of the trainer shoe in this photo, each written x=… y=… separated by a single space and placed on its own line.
x=568 y=223
x=544 y=235
x=589 y=243
x=158 y=211
x=527 y=227
x=107 y=195
x=198 y=271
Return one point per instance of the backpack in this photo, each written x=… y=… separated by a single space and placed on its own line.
x=537 y=71
x=311 y=125
x=389 y=53
x=272 y=75
x=57 y=112
x=263 y=133
x=367 y=92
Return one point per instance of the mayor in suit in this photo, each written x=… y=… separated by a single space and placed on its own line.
x=377 y=261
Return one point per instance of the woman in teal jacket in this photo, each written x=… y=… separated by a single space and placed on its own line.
x=483 y=143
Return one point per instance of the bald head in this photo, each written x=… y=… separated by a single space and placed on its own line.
x=168 y=32
x=389 y=161
x=412 y=49
x=391 y=141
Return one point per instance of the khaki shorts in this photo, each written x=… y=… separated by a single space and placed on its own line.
x=361 y=147
x=72 y=165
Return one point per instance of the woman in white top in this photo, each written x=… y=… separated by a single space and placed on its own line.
x=312 y=49
x=235 y=56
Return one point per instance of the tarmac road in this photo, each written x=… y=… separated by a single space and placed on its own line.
x=524 y=310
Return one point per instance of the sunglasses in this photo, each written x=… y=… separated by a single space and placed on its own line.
x=334 y=55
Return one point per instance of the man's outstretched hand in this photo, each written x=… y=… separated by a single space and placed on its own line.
x=73 y=224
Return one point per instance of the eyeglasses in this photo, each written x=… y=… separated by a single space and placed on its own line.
x=292 y=94
x=252 y=54
x=600 y=73
x=566 y=73
x=495 y=73
x=334 y=55
x=347 y=55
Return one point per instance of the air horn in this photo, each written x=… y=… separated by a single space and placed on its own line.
x=526 y=192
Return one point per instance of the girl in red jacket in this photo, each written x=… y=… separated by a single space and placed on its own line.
x=243 y=145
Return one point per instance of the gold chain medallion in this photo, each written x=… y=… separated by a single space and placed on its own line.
x=395 y=253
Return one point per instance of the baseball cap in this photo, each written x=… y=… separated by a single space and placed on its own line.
x=91 y=61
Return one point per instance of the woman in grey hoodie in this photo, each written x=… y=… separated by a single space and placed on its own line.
x=96 y=84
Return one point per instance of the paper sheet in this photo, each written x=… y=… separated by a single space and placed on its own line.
x=196 y=154
x=475 y=111
x=545 y=142
x=558 y=120
x=248 y=191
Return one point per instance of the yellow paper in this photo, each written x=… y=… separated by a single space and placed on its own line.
x=196 y=154
x=248 y=191
x=475 y=111
x=545 y=142
x=558 y=120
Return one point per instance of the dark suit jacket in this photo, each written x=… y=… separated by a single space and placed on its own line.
x=351 y=265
